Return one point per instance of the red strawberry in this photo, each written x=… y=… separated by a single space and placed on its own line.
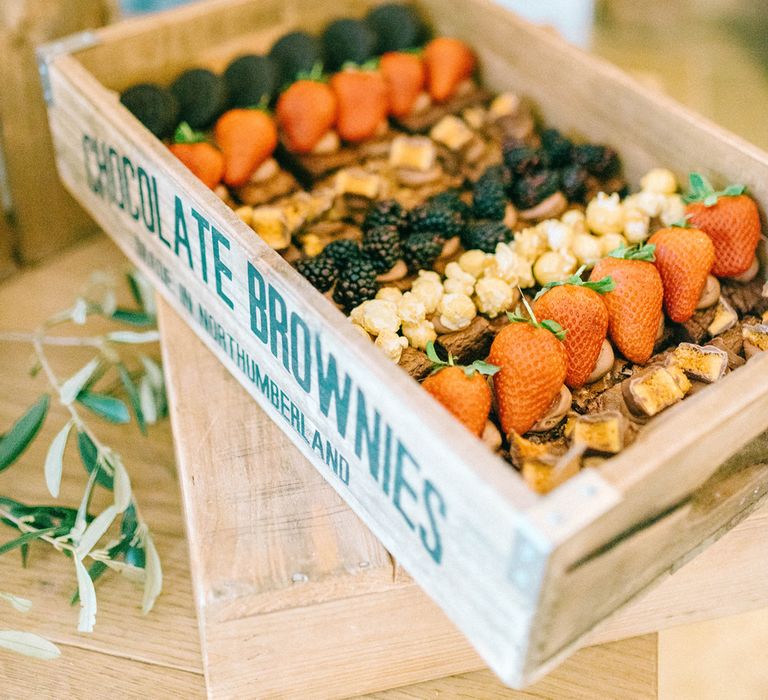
x=247 y=137
x=579 y=307
x=305 y=112
x=449 y=62
x=684 y=257
x=634 y=306
x=405 y=76
x=533 y=365
x=462 y=390
x=362 y=100
x=203 y=159
x=730 y=218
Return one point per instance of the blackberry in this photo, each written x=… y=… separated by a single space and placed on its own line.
x=396 y=26
x=601 y=161
x=522 y=159
x=420 y=250
x=154 y=106
x=558 y=148
x=528 y=191
x=319 y=271
x=202 y=96
x=435 y=218
x=574 y=182
x=356 y=284
x=387 y=212
x=489 y=200
x=381 y=245
x=342 y=252
x=451 y=199
x=485 y=235
x=294 y=53
x=250 y=79
x=347 y=40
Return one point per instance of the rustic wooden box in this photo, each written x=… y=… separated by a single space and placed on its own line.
x=524 y=577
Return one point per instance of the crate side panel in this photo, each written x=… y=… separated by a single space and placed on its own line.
x=623 y=565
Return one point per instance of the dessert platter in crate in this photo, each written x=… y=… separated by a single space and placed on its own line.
x=509 y=303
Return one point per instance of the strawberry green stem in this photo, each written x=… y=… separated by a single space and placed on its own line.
x=601 y=286
x=701 y=190
x=186 y=134
x=477 y=367
x=552 y=326
x=641 y=251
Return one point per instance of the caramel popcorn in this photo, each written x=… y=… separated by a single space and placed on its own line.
x=410 y=308
x=494 y=296
x=554 y=267
x=428 y=289
x=376 y=316
x=456 y=311
x=605 y=214
x=473 y=262
x=659 y=180
x=419 y=334
x=636 y=225
x=673 y=210
x=391 y=344
x=457 y=281
x=587 y=248
x=530 y=243
x=392 y=294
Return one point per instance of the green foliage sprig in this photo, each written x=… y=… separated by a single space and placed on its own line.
x=80 y=535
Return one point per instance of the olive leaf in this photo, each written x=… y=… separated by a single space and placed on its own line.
x=70 y=389
x=29 y=644
x=28 y=537
x=153 y=583
x=21 y=604
x=87 y=594
x=95 y=531
x=54 y=460
x=121 y=483
x=133 y=395
x=154 y=373
x=108 y=407
x=89 y=456
x=133 y=337
x=147 y=401
x=79 y=312
x=23 y=431
x=133 y=318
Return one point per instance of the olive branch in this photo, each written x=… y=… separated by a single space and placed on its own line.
x=76 y=532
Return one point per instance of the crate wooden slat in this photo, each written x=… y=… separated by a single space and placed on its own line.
x=511 y=569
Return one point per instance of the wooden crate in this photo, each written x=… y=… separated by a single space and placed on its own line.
x=523 y=577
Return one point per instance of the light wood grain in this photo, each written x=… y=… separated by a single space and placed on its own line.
x=7 y=262
x=46 y=218
x=79 y=673
x=626 y=670
x=166 y=638
x=502 y=577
